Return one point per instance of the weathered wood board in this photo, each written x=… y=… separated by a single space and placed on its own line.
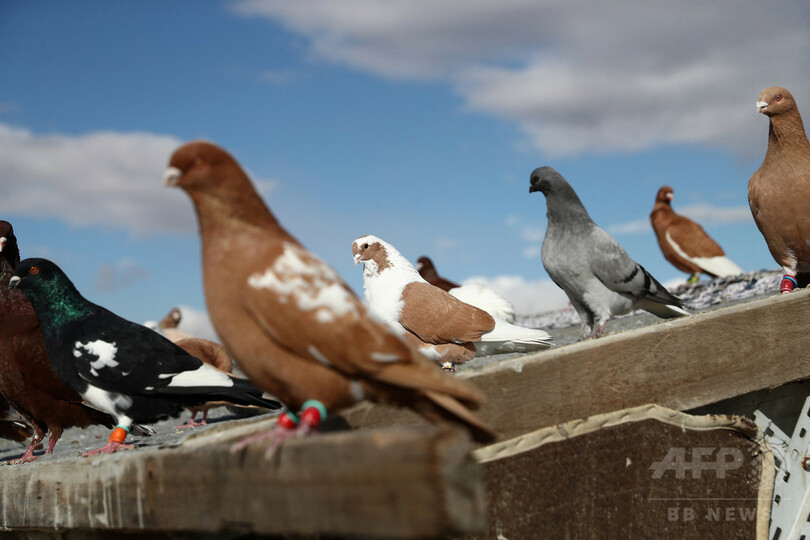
x=397 y=483
x=680 y=363
x=646 y=472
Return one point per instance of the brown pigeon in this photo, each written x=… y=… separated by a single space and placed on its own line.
x=288 y=319
x=779 y=191
x=685 y=244
x=27 y=379
x=168 y=326
x=429 y=273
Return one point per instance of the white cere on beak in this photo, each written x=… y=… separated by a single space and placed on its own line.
x=13 y=281
x=356 y=258
x=3 y=241
x=761 y=106
x=171 y=176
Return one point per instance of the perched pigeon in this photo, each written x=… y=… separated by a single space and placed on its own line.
x=117 y=366
x=599 y=277
x=27 y=379
x=779 y=191
x=168 y=326
x=289 y=321
x=10 y=428
x=685 y=244
x=477 y=294
x=444 y=328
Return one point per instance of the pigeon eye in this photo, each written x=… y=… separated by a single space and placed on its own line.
x=365 y=246
x=778 y=97
x=33 y=270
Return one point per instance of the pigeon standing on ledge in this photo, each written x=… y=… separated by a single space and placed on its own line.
x=122 y=368
x=597 y=274
x=27 y=379
x=476 y=294
x=288 y=319
x=685 y=244
x=779 y=191
x=443 y=327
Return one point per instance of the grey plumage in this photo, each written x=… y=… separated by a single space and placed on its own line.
x=596 y=273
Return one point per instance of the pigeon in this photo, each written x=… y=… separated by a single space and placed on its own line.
x=477 y=294
x=27 y=380
x=10 y=428
x=443 y=327
x=597 y=274
x=117 y=366
x=779 y=191
x=685 y=244
x=290 y=322
x=168 y=326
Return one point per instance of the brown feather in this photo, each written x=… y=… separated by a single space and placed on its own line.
x=436 y=316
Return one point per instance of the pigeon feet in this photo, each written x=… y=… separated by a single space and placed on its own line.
x=289 y=426
x=694 y=278
x=193 y=423
x=448 y=366
x=109 y=448
x=788 y=284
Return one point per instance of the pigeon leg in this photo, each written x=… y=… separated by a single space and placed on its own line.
x=56 y=432
x=28 y=456
x=788 y=284
x=289 y=426
x=115 y=443
x=448 y=366
x=194 y=423
x=694 y=278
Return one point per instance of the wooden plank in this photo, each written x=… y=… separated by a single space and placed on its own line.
x=646 y=472
x=681 y=364
x=397 y=483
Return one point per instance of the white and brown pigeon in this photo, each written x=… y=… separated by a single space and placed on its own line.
x=779 y=191
x=685 y=244
x=473 y=292
x=444 y=328
x=597 y=274
x=289 y=320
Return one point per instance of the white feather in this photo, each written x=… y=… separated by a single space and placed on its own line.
x=204 y=375
x=483 y=297
x=719 y=266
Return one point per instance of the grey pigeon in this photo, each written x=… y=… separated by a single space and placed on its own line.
x=596 y=273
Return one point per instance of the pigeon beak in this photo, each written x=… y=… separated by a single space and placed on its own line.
x=670 y=196
x=3 y=241
x=356 y=259
x=13 y=282
x=761 y=106
x=172 y=176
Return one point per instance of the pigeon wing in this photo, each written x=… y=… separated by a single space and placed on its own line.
x=436 y=316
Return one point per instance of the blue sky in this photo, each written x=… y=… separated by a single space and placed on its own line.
x=415 y=121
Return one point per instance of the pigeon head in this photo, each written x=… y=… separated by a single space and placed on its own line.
x=53 y=295
x=32 y=274
x=774 y=101
x=664 y=195
x=425 y=267
x=8 y=244
x=372 y=252
x=561 y=199
x=195 y=165
x=172 y=320
x=548 y=181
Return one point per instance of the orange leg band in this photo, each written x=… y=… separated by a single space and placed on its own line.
x=118 y=435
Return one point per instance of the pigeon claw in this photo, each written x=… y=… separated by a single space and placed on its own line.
x=109 y=448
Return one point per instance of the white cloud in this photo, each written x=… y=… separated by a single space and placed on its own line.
x=528 y=297
x=704 y=214
x=578 y=77
x=108 y=179
x=102 y=178
x=531 y=252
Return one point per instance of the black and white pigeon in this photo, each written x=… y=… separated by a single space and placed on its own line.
x=596 y=273
x=117 y=366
